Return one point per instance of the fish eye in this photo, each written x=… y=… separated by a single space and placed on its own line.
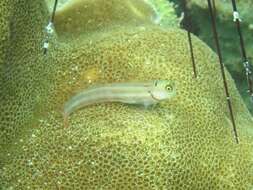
x=169 y=87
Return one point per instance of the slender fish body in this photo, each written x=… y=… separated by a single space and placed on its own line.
x=146 y=94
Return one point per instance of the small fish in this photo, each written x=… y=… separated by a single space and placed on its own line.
x=146 y=94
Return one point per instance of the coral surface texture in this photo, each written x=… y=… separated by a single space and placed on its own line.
x=185 y=143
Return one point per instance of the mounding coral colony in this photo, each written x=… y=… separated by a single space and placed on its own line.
x=183 y=143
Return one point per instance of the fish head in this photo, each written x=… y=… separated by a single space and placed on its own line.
x=163 y=90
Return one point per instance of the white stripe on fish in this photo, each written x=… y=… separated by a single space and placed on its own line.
x=147 y=93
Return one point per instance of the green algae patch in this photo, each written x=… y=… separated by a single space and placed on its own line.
x=165 y=10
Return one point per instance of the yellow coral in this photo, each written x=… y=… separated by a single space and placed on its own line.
x=100 y=15
x=186 y=143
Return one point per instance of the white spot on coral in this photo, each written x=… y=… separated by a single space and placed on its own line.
x=75 y=68
x=30 y=163
x=80 y=162
x=147 y=61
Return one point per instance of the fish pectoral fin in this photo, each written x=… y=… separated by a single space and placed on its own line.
x=147 y=105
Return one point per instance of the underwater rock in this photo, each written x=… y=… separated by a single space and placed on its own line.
x=185 y=143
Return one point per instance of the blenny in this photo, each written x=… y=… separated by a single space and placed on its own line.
x=146 y=94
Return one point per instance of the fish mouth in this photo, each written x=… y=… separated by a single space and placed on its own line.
x=153 y=96
x=161 y=99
